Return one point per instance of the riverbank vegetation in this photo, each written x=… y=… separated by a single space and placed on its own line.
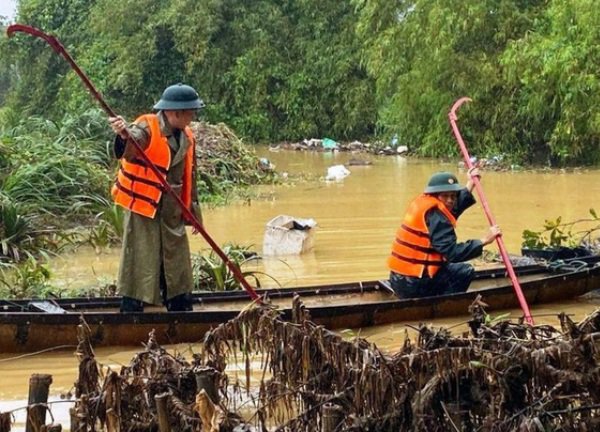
x=55 y=180
x=362 y=69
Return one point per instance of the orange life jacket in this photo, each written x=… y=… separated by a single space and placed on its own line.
x=412 y=254
x=137 y=188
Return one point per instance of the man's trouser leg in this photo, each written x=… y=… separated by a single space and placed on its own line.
x=410 y=287
x=453 y=278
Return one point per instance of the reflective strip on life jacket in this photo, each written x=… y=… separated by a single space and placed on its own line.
x=137 y=188
x=412 y=254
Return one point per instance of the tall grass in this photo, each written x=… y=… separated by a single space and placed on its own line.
x=53 y=176
x=21 y=237
x=57 y=169
x=15 y=232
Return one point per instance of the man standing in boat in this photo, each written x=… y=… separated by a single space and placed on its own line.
x=426 y=258
x=155 y=262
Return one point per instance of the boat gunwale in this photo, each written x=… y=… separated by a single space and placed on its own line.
x=212 y=316
x=72 y=304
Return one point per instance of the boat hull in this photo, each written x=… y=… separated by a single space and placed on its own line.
x=339 y=306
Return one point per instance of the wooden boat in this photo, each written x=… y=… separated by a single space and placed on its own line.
x=29 y=325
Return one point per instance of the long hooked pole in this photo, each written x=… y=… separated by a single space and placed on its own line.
x=187 y=213
x=465 y=153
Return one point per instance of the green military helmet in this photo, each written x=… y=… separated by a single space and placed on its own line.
x=442 y=182
x=179 y=97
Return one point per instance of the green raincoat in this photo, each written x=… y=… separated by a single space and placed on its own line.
x=150 y=245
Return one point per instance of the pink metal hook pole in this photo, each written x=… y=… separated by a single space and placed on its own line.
x=465 y=153
x=187 y=213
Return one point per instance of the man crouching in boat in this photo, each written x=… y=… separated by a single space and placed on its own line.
x=426 y=259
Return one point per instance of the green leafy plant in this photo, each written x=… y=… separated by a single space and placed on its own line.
x=16 y=237
x=490 y=320
x=212 y=274
x=552 y=236
x=556 y=233
x=108 y=227
x=57 y=185
x=21 y=238
x=25 y=280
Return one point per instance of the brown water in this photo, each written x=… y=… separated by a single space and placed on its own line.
x=357 y=218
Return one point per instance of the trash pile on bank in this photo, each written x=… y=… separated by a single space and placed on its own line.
x=223 y=159
x=258 y=372
x=492 y=163
x=328 y=144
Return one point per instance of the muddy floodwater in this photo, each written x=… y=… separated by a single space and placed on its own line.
x=357 y=218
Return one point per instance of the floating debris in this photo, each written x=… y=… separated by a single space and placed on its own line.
x=289 y=235
x=359 y=162
x=337 y=173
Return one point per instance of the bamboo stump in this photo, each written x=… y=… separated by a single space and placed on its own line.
x=331 y=417
x=5 y=422
x=79 y=414
x=75 y=424
x=39 y=387
x=162 y=412
x=205 y=380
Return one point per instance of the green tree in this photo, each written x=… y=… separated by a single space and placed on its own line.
x=39 y=74
x=271 y=69
x=425 y=54
x=287 y=70
x=552 y=74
